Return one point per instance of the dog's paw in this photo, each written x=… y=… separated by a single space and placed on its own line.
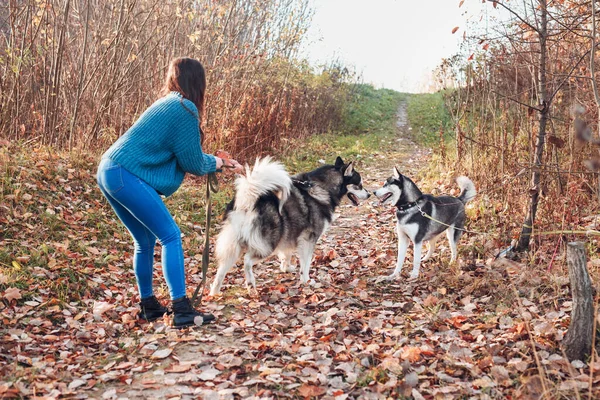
x=413 y=276
x=288 y=269
x=391 y=277
x=307 y=282
x=379 y=279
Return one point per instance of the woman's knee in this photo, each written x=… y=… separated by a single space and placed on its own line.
x=173 y=235
x=144 y=244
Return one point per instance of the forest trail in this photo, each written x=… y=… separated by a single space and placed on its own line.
x=314 y=340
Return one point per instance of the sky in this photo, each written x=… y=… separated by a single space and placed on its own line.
x=394 y=43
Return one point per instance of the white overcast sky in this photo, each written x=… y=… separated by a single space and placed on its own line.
x=394 y=43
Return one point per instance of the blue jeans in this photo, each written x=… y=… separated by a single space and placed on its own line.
x=146 y=217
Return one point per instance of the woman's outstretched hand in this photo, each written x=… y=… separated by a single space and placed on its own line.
x=237 y=167
x=224 y=160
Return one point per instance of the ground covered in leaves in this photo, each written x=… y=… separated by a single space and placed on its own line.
x=481 y=328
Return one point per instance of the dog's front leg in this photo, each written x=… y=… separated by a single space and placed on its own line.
x=416 y=261
x=286 y=262
x=402 y=247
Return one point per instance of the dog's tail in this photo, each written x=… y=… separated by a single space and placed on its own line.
x=266 y=176
x=467 y=189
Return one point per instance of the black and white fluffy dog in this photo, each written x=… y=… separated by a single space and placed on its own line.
x=273 y=212
x=447 y=215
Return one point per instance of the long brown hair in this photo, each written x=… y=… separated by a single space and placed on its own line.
x=186 y=76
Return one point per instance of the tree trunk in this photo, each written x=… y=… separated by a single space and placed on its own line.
x=81 y=76
x=578 y=340
x=52 y=99
x=534 y=192
x=593 y=76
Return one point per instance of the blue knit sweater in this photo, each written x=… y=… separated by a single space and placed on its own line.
x=164 y=144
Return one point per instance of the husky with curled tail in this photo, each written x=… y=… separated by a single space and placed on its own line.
x=442 y=214
x=275 y=213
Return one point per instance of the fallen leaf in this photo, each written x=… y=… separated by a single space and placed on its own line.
x=12 y=294
x=160 y=354
x=430 y=301
x=100 y=307
x=578 y=364
x=110 y=394
x=209 y=374
x=483 y=382
x=309 y=391
x=411 y=379
x=178 y=368
x=412 y=354
x=76 y=383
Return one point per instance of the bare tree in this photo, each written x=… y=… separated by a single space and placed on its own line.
x=535 y=52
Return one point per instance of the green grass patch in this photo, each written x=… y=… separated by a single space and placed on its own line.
x=428 y=115
x=371 y=110
x=369 y=128
x=327 y=147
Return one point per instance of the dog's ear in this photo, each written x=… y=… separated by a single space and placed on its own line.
x=397 y=173
x=339 y=163
x=349 y=169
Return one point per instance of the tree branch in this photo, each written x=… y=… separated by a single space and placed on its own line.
x=568 y=76
x=516 y=15
x=517 y=101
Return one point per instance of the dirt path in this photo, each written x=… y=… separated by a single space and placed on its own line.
x=375 y=169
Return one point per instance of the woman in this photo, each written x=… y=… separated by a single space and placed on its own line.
x=149 y=160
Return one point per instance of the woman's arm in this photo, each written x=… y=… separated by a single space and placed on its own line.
x=187 y=147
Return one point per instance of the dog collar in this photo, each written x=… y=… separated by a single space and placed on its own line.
x=407 y=206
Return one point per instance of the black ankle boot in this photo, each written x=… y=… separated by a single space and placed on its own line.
x=184 y=314
x=151 y=309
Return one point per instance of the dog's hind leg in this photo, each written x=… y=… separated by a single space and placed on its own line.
x=402 y=247
x=431 y=249
x=306 y=249
x=416 y=260
x=249 y=261
x=453 y=235
x=227 y=251
x=224 y=267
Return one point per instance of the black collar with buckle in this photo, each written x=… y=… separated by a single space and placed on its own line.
x=407 y=206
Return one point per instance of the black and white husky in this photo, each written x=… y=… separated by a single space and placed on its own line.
x=443 y=214
x=275 y=213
